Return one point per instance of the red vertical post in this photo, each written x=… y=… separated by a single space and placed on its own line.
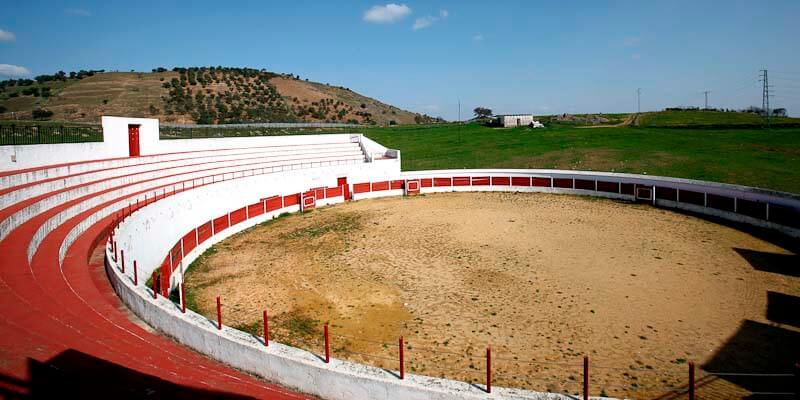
x=135 y=274
x=266 y=329
x=691 y=380
x=489 y=369
x=155 y=285
x=219 y=314
x=122 y=258
x=585 y=377
x=115 y=250
x=327 y=345
x=183 y=299
x=402 y=360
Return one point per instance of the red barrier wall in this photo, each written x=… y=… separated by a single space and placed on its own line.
x=501 y=181
x=203 y=232
x=541 y=182
x=291 y=200
x=333 y=192
x=220 y=223
x=189 y=241
x=461 y=181
x=238 y=216
x=255 y=209
x=378 y=186
x=520 y=181
x=176 y=254
x=562 y=183
x=609 y=187
x=361 y=187
x=441 y=182
x=480 y=181
x=274 y=203
x=584 y=184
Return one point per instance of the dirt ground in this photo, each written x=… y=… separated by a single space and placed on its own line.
x=545 y=279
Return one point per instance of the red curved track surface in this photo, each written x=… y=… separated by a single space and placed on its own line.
x=64 y=332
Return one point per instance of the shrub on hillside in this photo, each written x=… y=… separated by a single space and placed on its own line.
x=41 y=113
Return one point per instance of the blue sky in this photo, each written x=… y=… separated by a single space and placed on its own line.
x=526 y=56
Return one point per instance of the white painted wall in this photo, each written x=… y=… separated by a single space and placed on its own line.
x=115 y=145
x=165 y=221
x=524 y=120
x=34 y=155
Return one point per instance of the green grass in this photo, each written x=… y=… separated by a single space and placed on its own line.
x=340 y=224
x=680 y=119
x=27 y=102
x=199 y=265
x=613 y=119
x=768 y=158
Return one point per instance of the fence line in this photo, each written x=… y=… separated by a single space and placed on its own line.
x=266 y=125
x=248 y=130
x=48 y=134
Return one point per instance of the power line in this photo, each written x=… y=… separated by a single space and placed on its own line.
x=786 y=73
x=785 y=79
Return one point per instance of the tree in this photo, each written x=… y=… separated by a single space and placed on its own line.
x=779 y=112
x=481 y=112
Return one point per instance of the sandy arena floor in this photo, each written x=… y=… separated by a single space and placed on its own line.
x=544 y=279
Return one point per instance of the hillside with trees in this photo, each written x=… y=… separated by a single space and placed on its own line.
x=205 y=95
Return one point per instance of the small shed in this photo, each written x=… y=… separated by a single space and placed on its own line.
x=513 y=120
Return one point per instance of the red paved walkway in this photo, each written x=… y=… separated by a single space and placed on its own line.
x=64 y=333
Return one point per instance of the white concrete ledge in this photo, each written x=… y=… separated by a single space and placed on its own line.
x=291 y=367
x=304 y=371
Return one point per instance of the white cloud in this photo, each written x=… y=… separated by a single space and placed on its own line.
x=6 y=36
x=632 y=41
x=428 y=20
x=387 y=14
x=424 y=22
x=636 y=57
x=80 y=12
x=13 y=71
x=478 y=38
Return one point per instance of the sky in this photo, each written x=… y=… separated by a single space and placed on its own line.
x=537 y=57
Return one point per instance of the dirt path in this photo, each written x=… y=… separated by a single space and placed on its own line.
x=542 y=278
x=631 y=119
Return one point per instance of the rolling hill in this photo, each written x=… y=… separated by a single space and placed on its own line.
x=207 y=95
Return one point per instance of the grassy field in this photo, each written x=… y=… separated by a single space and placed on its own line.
x=768 y=158
x=680 y=119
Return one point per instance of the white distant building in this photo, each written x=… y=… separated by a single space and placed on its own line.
x=513 y=120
